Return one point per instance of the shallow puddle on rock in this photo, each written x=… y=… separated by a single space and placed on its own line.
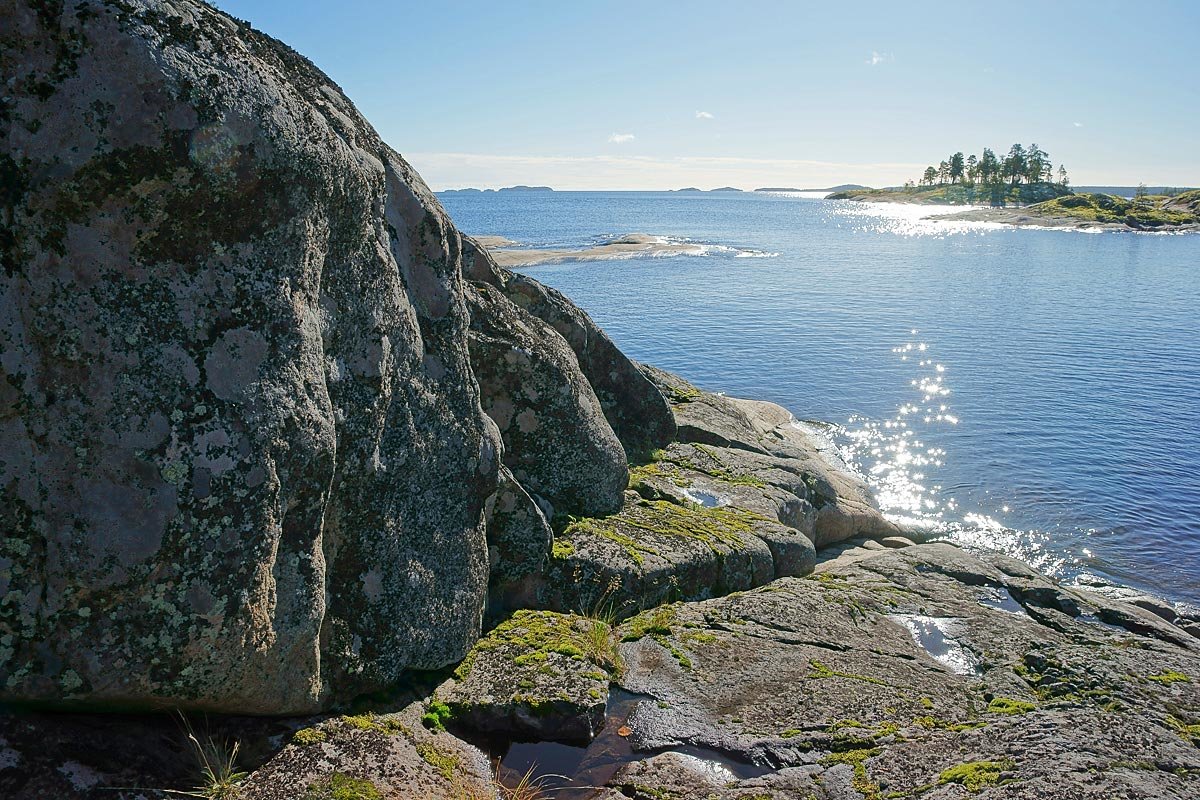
x=706 y=499
x=938 y=637
x=1092 y=619
x=1001 y=599
x=566 y=772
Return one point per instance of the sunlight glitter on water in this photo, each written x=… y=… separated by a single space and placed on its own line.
x=909 y=219
x=894 y=458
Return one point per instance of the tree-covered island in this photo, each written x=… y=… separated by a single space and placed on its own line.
x=1026 y=178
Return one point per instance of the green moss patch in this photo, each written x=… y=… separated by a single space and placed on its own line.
x=1170 y=676
x=976 y=775
x=1006 y=705
x=307 y=736
x=446 y=764
x=340 y=786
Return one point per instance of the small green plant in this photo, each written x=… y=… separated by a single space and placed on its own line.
x=437 y=715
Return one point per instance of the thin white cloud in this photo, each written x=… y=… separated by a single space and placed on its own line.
x=878 y=58
x=1077 y=124
x=599 y=172
x=621 y=138
x=703 y=115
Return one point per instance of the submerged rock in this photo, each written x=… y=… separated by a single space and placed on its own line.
x=245 y=462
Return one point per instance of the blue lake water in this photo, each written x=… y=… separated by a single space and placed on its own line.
x=1035 y=391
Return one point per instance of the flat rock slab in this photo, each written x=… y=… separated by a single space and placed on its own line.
x=921 y=672
x=655 y=551
x=538 y=675
x=752 y=430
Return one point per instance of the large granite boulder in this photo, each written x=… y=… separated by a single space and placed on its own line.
x=557 y=442
x=244 y=462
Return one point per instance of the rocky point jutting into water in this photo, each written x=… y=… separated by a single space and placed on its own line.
x=282 y=445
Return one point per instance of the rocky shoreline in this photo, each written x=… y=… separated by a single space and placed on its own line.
x=1030 y=218
x=303 y=488
x=508 y=253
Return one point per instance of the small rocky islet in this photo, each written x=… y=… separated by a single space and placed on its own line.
x=293 y=464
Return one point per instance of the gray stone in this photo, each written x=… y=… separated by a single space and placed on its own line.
x=519 y=541
x=392 y=753
x=634 y=407
x=896 y=542
x=655 y=551
x=557 y=442
x=701 y=416
x=245 y=462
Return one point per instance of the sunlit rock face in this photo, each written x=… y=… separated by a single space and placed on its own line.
x=244 y=461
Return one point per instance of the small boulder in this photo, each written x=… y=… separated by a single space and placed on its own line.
x=557 y=442
x=538 y=675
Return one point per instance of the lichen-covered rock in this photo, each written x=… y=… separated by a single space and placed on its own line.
x=919 y=672
x=704 y=417
x=538 y=675
x=633 y=405
x=244 y=460
x=372 y=757
x=557 y=442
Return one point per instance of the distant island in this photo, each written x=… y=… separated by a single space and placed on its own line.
x=845 y=187
x=1025 y=178
x=519 y=188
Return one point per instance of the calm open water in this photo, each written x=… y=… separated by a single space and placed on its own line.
x=1035 y=391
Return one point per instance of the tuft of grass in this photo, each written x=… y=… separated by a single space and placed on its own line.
x=601 y=647
x=216 y=762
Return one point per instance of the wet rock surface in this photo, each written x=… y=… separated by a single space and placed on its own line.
x=903 y=672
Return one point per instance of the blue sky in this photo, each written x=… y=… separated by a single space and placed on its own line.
x=656 y=95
